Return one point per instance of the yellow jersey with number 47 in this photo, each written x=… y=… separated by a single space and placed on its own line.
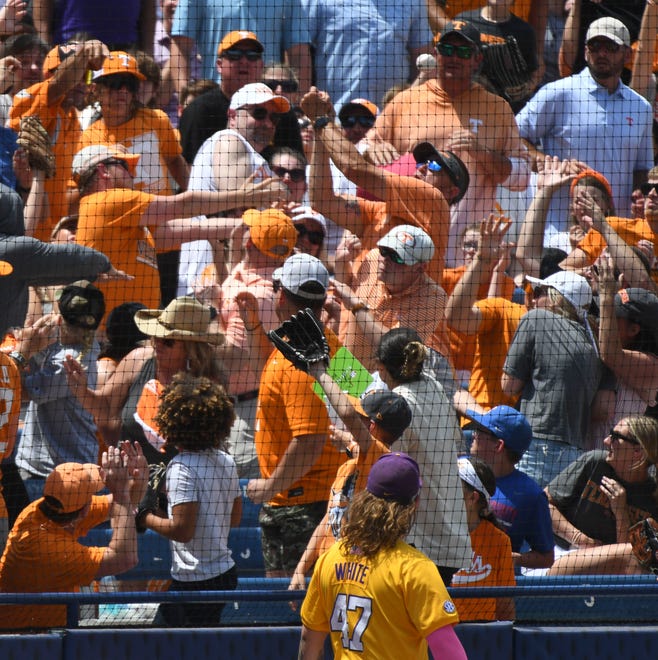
x=377 y=608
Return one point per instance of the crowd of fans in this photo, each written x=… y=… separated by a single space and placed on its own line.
x=465 y=196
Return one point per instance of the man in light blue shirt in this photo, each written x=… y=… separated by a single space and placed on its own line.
x=280 y=25
x=365 y=47
x=592 y=117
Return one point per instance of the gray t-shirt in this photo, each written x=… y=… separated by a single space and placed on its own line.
x=561 y=369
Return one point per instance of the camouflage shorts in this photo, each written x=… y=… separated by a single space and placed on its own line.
x=286 y=531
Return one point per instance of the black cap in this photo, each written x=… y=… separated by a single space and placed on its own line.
x=388 y=410
x=453 y=165
x=638 y=306
x=82 y=305
x=466 y=30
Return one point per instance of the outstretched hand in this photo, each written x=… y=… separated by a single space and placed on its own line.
x=492 y=235
x=317 y=104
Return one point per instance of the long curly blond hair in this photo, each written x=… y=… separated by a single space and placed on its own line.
x=375 y=524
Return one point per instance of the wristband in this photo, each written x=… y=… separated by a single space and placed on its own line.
x=358 y=307
x=19 y=359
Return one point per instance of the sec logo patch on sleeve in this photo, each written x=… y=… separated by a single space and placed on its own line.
x=449 y=607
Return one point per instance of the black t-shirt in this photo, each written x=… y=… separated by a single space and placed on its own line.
x=208 y=114
x=577 y=494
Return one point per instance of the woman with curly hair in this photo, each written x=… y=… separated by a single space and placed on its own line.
x=203 y=493
x=380 y=597
x=441 y=531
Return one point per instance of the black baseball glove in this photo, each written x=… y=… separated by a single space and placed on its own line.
x=301 y=340
x=644 y=541
x=506 y=69
x=155 y=497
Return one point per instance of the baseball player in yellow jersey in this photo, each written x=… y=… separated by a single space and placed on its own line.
x=377 y=596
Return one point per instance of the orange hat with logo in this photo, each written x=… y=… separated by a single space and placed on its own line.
x=118 y=61
x=56 y=56
x=232 y=38
x=73 y=484
x=272 y=232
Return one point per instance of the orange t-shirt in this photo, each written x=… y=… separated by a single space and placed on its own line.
x=500 y=318
x=150 y=134
x=421 y=307
x=491 y=566
x=109 y=222
x=520 y=8
x=412 y=202
x=289 y=408
x=351 y=478
x=42 y=556
x=64 y=130
x=10 y=408
x=630 y=230
x=462 y=347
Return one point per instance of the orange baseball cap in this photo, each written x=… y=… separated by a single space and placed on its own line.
x=56 y=56
x=232 y=38
x=272 y=232
x=594 y=175
x=118 y=61
x=73 y=484
x=358 y=103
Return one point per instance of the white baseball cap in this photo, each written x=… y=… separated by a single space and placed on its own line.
x=258 y=94
x=575 y=288
x=410 y=243
x=610 y=28
x=302 y=212
x=300 y=269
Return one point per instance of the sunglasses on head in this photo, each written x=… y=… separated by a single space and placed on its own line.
x=387 y=253
x=450 y=50
x=646 y=188
x=235 y=55
x=314 y=237
x=117 y=161
x=119 y=81
x=432 y=165
x=285 y=85
x=260 y=113
x=618 y=437
x=597 y=45
x=296 y=176
x=361 y=120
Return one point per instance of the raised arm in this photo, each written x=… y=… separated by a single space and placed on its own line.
x=642 y=78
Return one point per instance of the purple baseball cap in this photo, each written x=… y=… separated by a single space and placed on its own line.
x=395 y=477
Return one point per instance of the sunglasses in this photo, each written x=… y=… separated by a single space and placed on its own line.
x=314 y=237
x=119 y=81
x=304 y=123
x=117 y=161
x=450 y=50
x=595 y=46
x=470 y=245
x=285 y=85
x=296 y=176
x=235 y=55
x=432 y=165
x=351 y=122
x=646 y=188
x=259 y=113
x=618 y=437
x=387 y=253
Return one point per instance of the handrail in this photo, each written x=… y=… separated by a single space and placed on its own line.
x=544 y=587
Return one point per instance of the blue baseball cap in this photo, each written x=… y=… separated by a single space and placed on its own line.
x=505 y=423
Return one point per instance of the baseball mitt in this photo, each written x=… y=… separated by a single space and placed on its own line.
x=644 y=542
x=301 y=340
x=155 y=497
x=33 y=138
x=506 y=69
